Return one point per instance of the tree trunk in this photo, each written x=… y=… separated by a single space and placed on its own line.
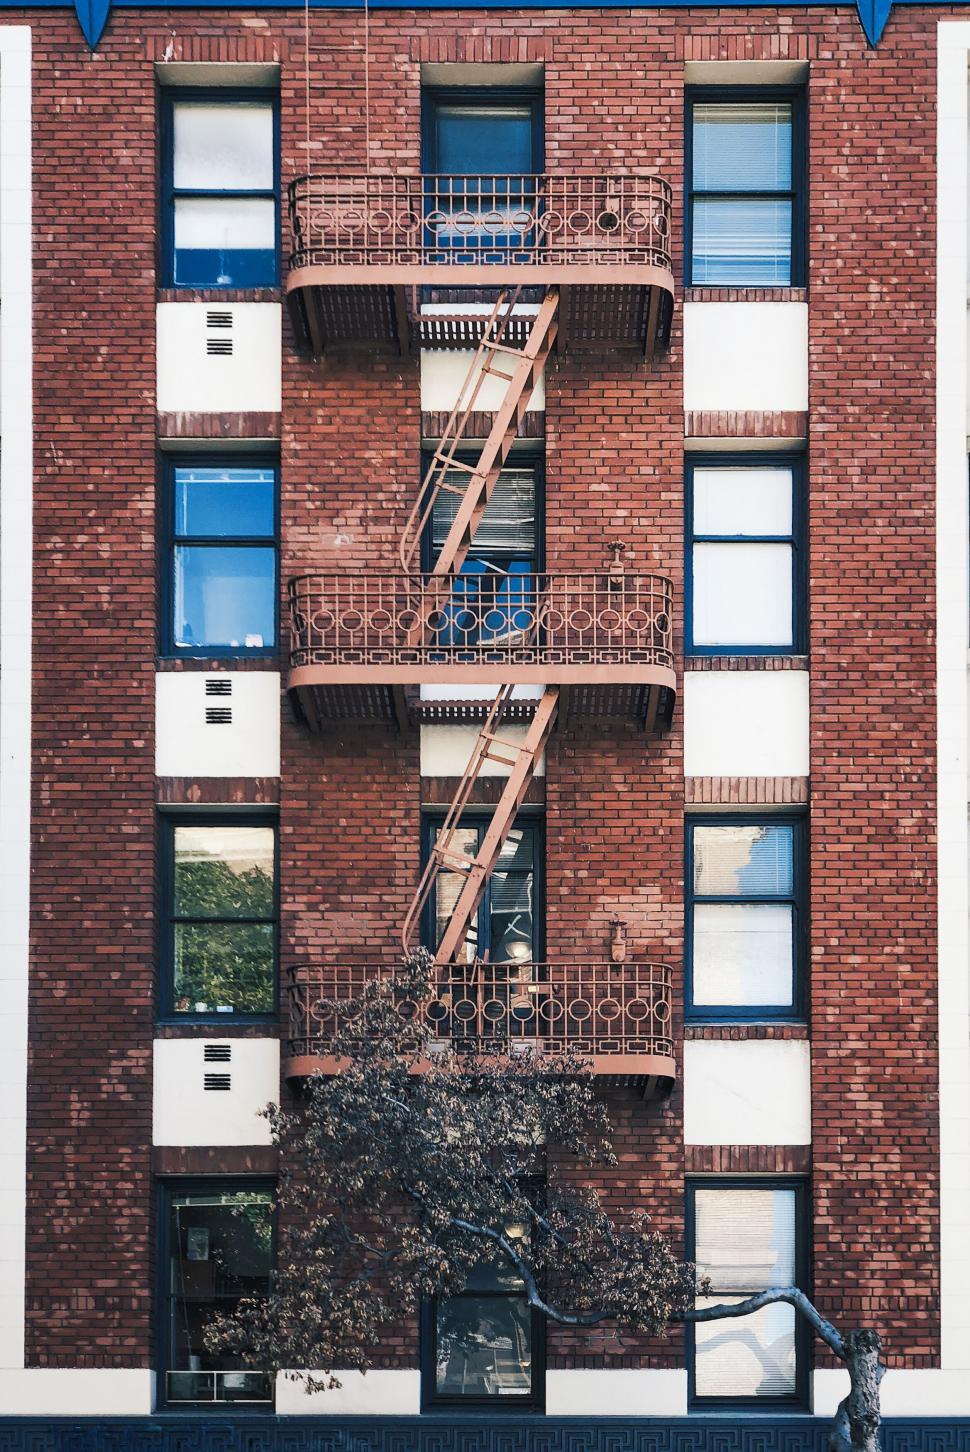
x=858 y=1419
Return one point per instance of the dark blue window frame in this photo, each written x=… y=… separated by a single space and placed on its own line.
x=798 y=899
x=797 y=540
x=165 y=1190
x=167 y=823
x=795 y=96
x=803 y=1279
x=432 y=97
x=170 y=540
x=431 y=820
x=213 y=95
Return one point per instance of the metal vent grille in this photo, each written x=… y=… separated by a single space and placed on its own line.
x=218 y=715
x=217 y=1053
x=218 y=347
x=217 y=1081
x=218 y=320
x=218 y=686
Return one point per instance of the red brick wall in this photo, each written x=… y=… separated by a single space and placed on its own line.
x=349 y=447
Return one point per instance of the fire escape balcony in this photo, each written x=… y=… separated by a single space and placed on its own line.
x=363 y=644
x=616 y=1017
x=375 y=255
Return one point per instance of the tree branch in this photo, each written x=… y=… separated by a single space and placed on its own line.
x=791 y=1294
x=533 y=1294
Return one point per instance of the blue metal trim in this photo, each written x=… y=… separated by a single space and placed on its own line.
x=248 y=1432
x=93 y=14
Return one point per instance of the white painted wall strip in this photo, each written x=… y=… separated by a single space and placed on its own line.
x=16 y=525
x=952 y=606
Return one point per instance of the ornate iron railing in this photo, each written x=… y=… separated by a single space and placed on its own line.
x=590 y=1009
x=372 y=219
x=514 y=619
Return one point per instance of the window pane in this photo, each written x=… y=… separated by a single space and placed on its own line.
x=508 y=525
x=484 y=1347
x=224 y=596
x=224 y=872
x=744 y=1240
x=511 y=925
x=225 y=241
x=223 y=147
x=225 y=501
x=742 y=595
x=448 y=888
x=494 y=1273
x=224 y=967
x=221 y=1248
x=743 y=147
x=746 y=241
x=478 y=139
x=743 y=501
x=744 y=860
x=742 y=954
x=750 y=1357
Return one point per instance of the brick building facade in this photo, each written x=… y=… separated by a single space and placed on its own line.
x=195 y=445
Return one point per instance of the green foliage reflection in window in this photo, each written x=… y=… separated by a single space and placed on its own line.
x=224 y=929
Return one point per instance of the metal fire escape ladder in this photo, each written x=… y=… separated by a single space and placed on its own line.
x=446 y=856
x=521 y=372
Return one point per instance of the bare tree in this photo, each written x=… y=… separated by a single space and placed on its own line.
x=417 y=1162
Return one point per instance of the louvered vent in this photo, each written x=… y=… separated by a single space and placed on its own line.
x=218 y=347
x=218 y=715
x=218 y=320
x=217 y=1081
x=217 y=1053
x=218 y=686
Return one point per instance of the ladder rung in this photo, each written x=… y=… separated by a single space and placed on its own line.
x=452 y=488
x=494 y=347
x=497 y=373
x=456 y=464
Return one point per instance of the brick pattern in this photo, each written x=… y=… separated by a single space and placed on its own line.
x=748 y=1159
x=737 y=1032
x=739 y=791
x=439 y=791
x=746 y=663
x=204 y=1160
x=724 y=293
x=433 y=424
x=218 y=426
x=180 y=791
x=732 y=424
x=350 y=803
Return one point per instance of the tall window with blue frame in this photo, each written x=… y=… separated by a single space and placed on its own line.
x=217 y=1249
x=497 y=592
x=482 y=152
x=747 y=1236
x=745 y=555
x=746 y=187
x=746 y=910
x=220 y=547
x=220 y=188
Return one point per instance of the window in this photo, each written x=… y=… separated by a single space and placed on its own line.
x=745 y=917
x=496 y=592
x=748 y=1237
x=221 y=915
x=745 y=566
x=482 y=149
x=221 y=558
x=508 y=926
x=485 y=1346
x=220 y=181
x=218 y=1243
x=745 y=174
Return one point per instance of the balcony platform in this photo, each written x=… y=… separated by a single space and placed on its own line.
x=615 y=1017
x=362 y=646
x=369 y=250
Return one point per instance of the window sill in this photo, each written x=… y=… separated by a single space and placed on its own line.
x=737 y=292
x=263 y=1027
x=249 y=660
x=733 y=661
x=746 y=1029
x=272 y=292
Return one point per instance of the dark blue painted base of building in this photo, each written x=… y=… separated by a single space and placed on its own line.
x=208 y=1433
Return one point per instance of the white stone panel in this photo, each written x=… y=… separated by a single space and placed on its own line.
x=385 y=1393
x=77 y=1392
x=754 y=1091
x=746 y=723
x=952 y=271
x=184 y=1112
x=443 y=372
x=16 y=547
x=746 y=356
x=929 y=1392
x=191 y=379
x=627 y=1392
x=187 y=744
x=446 y=750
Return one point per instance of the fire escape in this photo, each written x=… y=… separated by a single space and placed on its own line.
x=595 y=645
